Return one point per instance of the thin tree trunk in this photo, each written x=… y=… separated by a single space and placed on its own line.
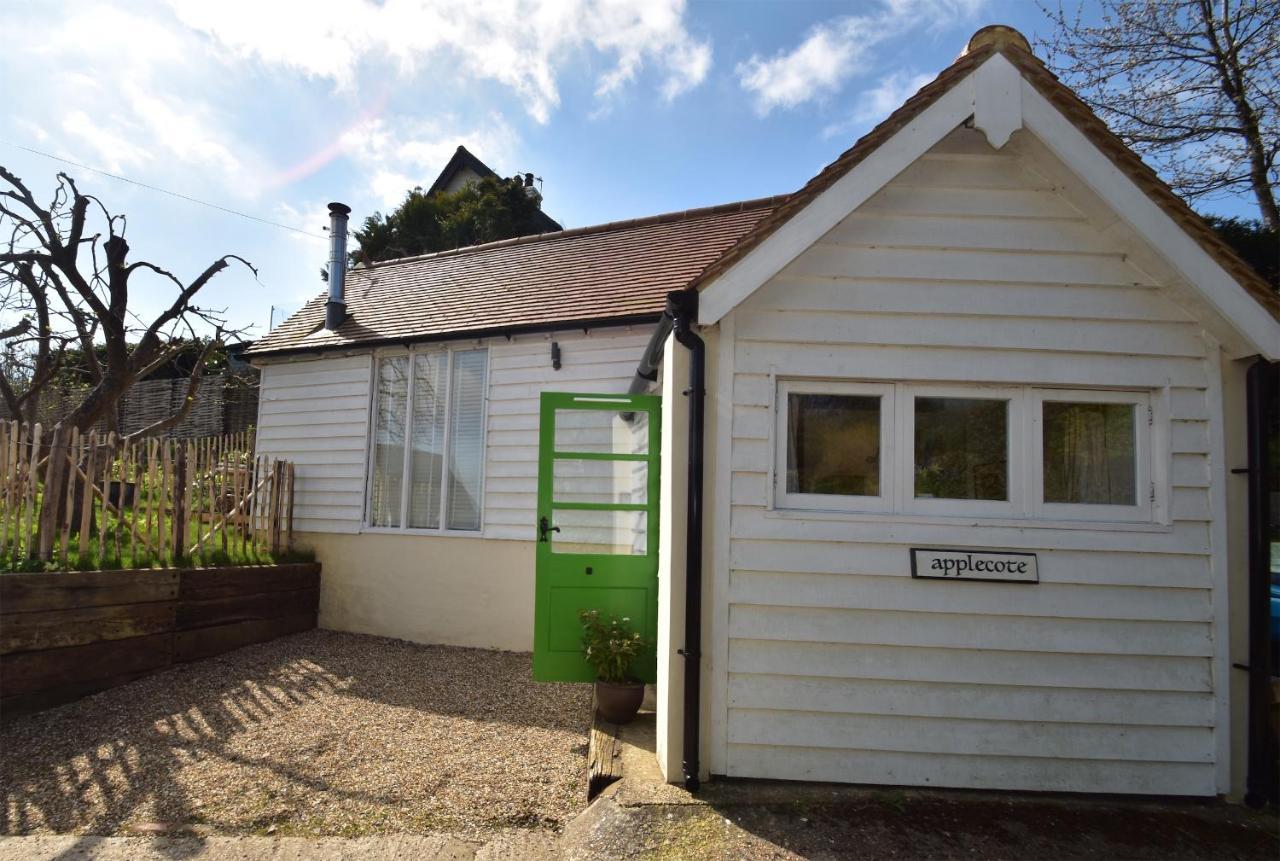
x=1226 y=58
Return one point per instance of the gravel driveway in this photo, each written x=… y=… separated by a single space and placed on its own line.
x=321 y=733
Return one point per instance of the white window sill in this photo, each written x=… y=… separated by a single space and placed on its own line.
x=962 y=520
x=396 y=530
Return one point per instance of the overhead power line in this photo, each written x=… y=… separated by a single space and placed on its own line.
x=176 y=194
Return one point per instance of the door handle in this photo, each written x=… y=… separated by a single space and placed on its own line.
x=544 y=526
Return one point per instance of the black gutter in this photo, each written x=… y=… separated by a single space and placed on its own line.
x=680 y=316
x=1262 y=784
x=682 y=308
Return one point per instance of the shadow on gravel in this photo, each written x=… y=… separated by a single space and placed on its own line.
x=125 y=746
x=321 y=733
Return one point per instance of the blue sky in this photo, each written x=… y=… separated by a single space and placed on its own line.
x=275 y=107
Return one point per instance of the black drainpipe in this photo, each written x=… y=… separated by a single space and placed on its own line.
x=680 y=315
x=1261 y=783
x=647 y=369
x=682 y=307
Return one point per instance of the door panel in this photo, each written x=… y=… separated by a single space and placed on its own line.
x=566 y=629
x=598 y=497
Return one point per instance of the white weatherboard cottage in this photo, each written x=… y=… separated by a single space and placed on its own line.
x=985 y=347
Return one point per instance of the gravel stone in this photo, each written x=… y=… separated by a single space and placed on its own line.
x=322 y=733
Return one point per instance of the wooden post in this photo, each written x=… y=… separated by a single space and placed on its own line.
x=55 y=472
x=263 y=510
x=277 y=496
x=135 y=511
x=33 y=470
x=120 y=490
x=10 y=480
x=166 y=471
x=222 y=509
x=180 y=502
x=149 y=476
x=69 y=496
x=86 y=497
x=104 y=534
x=288 y=535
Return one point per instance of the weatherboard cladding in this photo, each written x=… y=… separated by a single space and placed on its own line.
x=837 y=664
x=613 y=272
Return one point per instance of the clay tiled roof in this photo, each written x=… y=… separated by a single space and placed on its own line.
x=985 y=43
x=610 y=273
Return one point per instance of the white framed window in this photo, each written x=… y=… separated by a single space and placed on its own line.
x=959 y=450
x=836 y=445
x=1093 y=455
x=965 y=450
x=426 y=459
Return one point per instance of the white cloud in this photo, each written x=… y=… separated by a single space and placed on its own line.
x=521 y=44
x=34 y=130
x=114 y=150
x=309 y=216
x=400 y=153
x=115 y=90
x=878 y=102
x=158 y=89
x=833 y=52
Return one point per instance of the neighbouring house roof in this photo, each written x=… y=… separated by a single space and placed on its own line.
x=984 y=44
x=608 y=274
x=463 y=159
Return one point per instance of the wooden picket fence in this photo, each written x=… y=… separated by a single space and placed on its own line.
x=82 y=501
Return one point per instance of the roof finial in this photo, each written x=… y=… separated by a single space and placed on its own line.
x=997 y=36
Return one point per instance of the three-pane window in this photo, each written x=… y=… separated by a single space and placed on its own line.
x=428 y=441
x=833 y=444
x=961 y=448
x=1089 y=453
x=990 y=451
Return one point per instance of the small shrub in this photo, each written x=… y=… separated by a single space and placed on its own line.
x=610 y=645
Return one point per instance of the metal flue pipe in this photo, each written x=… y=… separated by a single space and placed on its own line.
x=335 y=310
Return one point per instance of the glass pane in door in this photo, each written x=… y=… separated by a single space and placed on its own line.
x=600 y=481
x=614 y=533
x=602 y=431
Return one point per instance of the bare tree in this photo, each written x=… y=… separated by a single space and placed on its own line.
x=65 y=287
x=1192 y=85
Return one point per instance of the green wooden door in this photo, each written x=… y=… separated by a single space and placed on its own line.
x=597 y=524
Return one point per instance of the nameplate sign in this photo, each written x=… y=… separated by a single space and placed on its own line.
x=1000 y=566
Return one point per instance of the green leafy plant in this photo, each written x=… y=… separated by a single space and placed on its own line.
x=610 y=645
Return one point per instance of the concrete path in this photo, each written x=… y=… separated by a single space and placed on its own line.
x=519 y=846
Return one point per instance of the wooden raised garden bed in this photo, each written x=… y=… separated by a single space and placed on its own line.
x=67 y=634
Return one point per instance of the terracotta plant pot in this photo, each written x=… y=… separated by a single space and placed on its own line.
x=618 y=702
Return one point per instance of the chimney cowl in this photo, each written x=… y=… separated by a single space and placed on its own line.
x=530 y=189
x=335 y=310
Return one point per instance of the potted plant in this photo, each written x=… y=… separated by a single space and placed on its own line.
x=611 y=648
